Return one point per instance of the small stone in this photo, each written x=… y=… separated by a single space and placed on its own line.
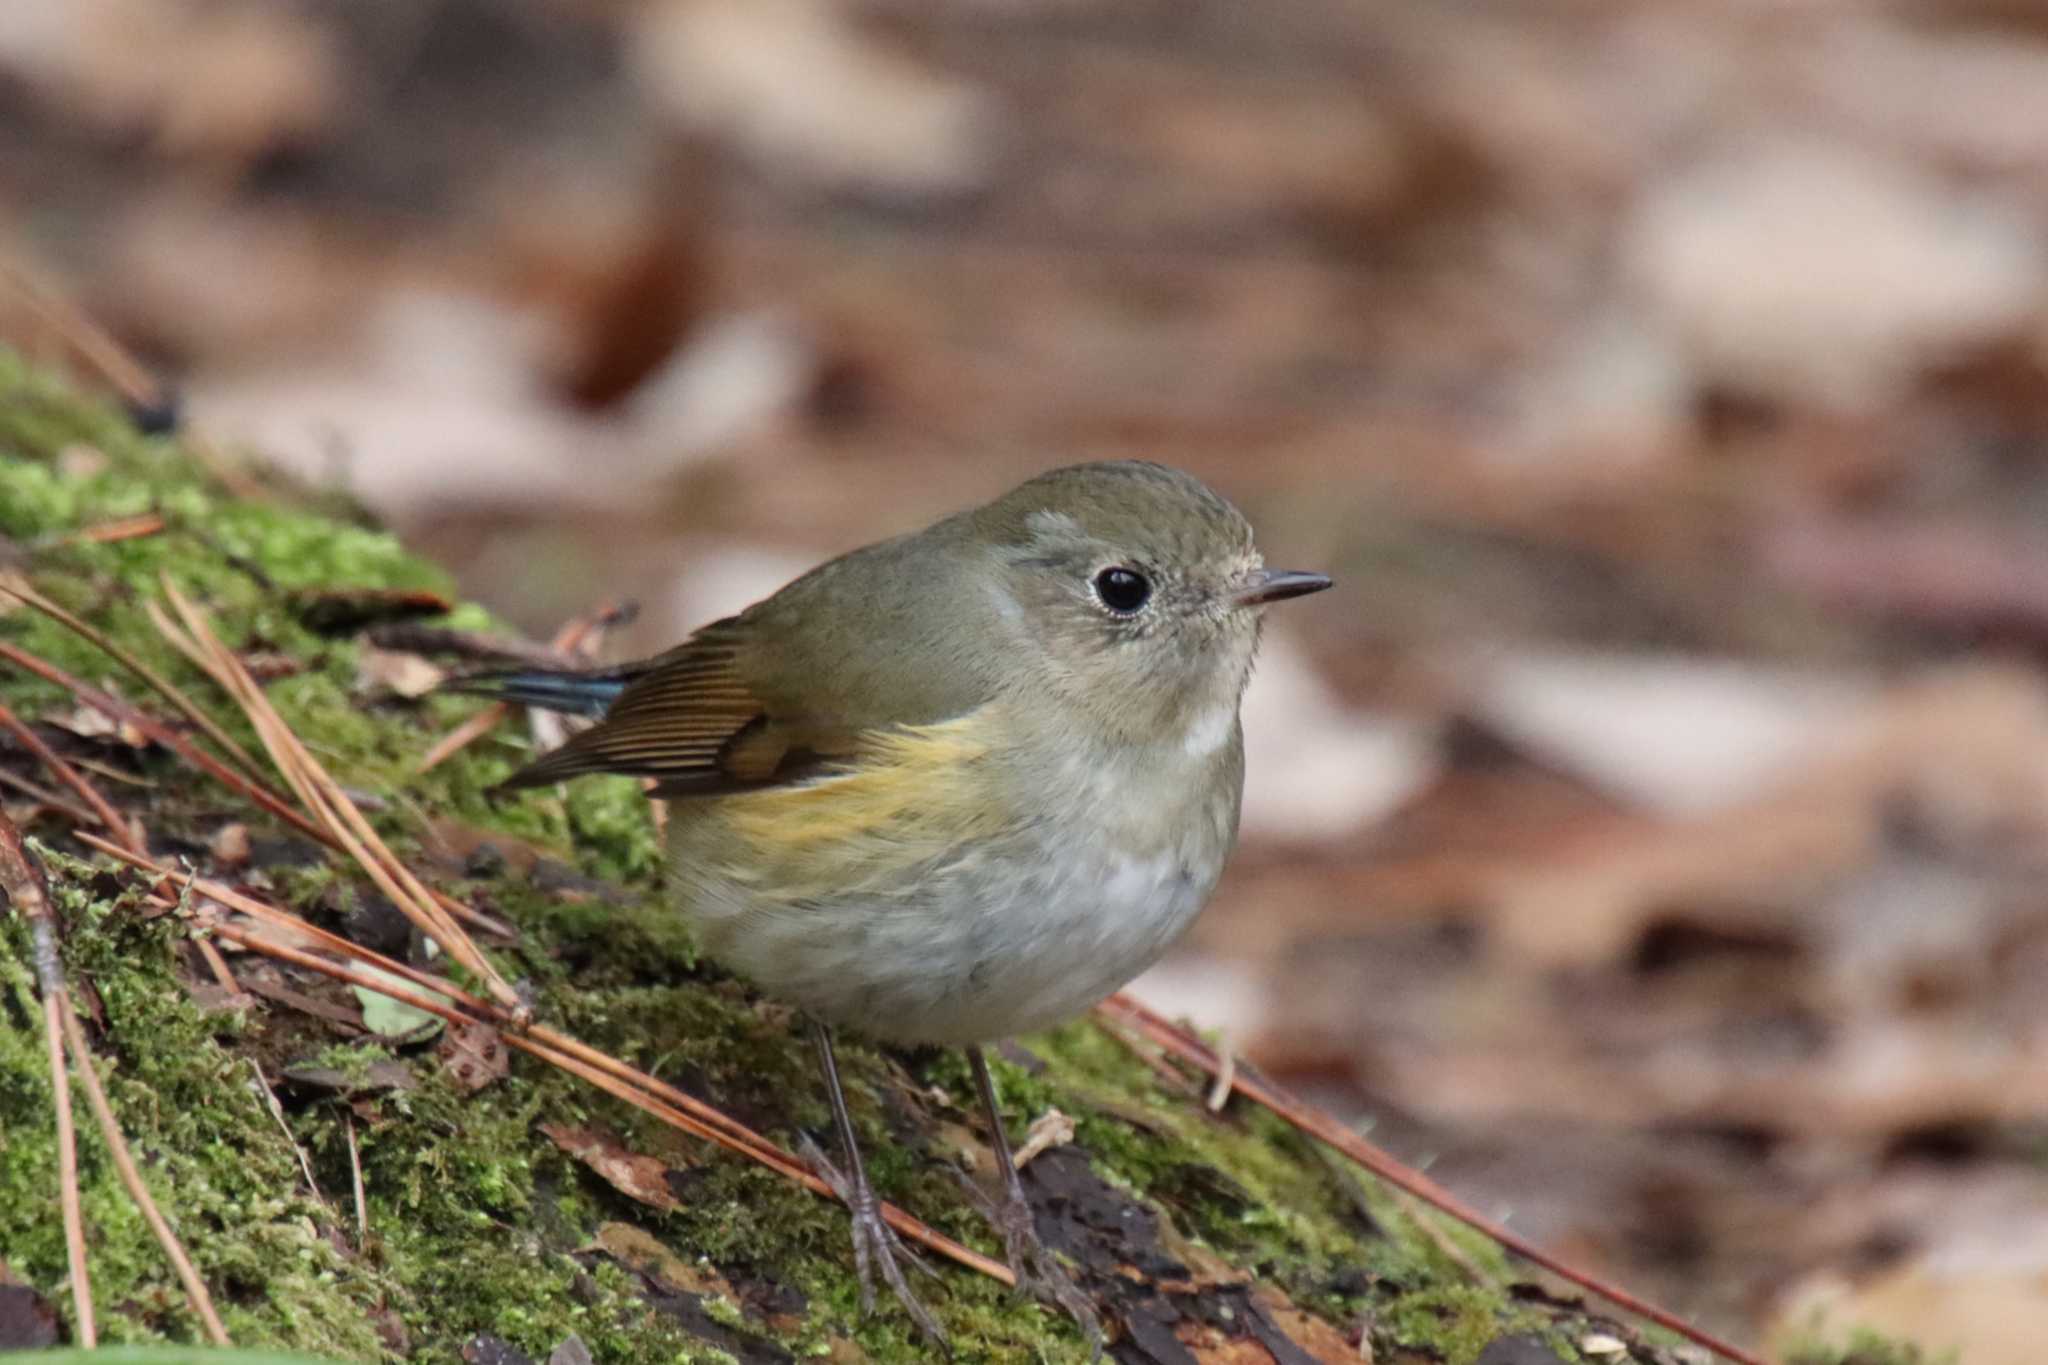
x=572 y=1351
x=485 y=1349
x=230 y=845
x=1520 y=1349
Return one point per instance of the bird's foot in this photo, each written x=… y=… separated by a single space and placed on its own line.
x=876 y=1246
x=1038 y=1271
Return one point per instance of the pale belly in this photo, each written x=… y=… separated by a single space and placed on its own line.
x=1007 y=932
x=1008 y=951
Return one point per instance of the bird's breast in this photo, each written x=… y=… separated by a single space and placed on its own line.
x=962 y=881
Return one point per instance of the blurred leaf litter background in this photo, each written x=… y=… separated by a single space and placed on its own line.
x=1649 y=834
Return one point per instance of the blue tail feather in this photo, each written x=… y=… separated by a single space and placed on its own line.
x=581 y=694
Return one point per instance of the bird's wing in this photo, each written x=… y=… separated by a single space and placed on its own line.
x=876 y=640
x=688 y=719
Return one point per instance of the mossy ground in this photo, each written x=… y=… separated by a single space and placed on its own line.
x=477 y=1222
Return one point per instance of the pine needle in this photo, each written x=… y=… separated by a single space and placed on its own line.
x=22 y=884
x=324 y=798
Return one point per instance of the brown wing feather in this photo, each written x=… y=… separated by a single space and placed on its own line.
x=679 y=723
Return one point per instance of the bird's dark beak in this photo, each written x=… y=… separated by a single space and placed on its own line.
x=1274 y=585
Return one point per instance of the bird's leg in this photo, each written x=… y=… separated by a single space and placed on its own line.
x=874 y=1243
x=1030 y=1259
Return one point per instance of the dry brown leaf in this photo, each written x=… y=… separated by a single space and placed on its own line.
x=640 y=1250
x=473 y=1054
x=633 y=1174
x=202 y=81
x=406 y=675
x=89 y=722
x=801 y=88
x=456 y=843
x=1320 y=1338
x=1963 y=752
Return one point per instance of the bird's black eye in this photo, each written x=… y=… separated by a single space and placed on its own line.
x=1122 y=590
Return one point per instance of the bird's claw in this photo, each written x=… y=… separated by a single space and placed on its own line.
x=876 y=1245
x=1038 y=1271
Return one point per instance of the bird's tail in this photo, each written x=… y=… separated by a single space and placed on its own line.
x=576 y=692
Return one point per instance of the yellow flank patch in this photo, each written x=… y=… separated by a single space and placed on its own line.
x=908 y=795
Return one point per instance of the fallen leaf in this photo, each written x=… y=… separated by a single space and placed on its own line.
x=89 y=722
x=1315 y=769
x=388 y=1017
x=1819 y=272
x=642 y=1252
x=344 y=611
x=797 y=85
x=633 y=1174
x=389 y=670
x=1676 y=736
x=473 y=1054
x=383 y=1074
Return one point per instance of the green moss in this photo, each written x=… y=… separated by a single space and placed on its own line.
x=1865 y=1347
x=1456 y=1322
x=476 y=1221
x=213 y=1156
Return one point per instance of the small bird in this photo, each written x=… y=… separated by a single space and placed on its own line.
x=953 y=786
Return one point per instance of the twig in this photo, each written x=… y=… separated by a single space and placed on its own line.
x=117 y=1146
x=122 y=528
x=217 y=967
x=409 y=637
x=163 y=734
x=23 y=886
x=462 y=736
x=450 y=1002
x=91 y=343
x=43 y=795
x=320 y=794
x=103 y=812
x=256 y=791
x=642 y=1096
x=1049 y=1130
x=106 y=815
x=1418 y=1213
x=122 y=372
x=262 y=1087
x=355 y=1178
x=1327 y=1129
x=156 y=681
x=1146 y=1053
x=101 y=768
